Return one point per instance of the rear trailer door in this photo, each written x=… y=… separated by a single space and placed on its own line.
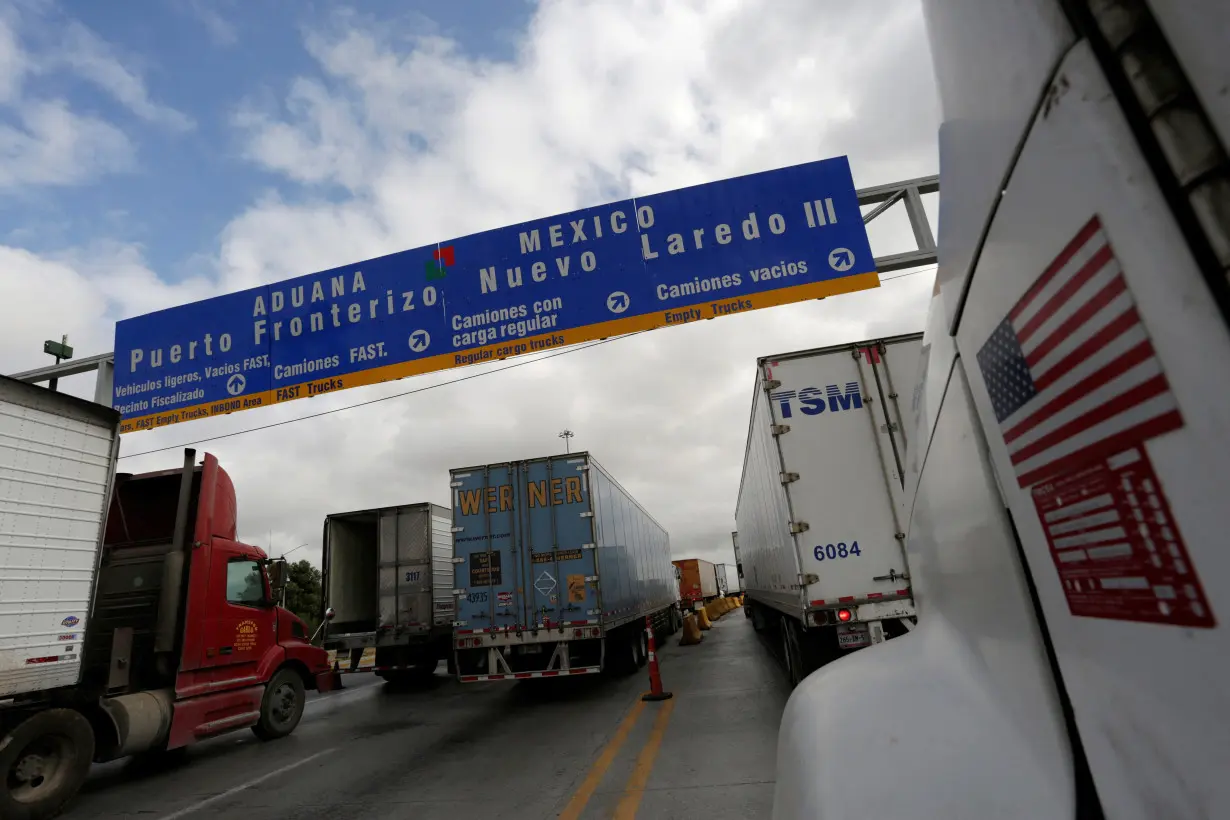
x=489 y=583
x=442 y=604
x=842 y=461
x=57 y=463
x=556 y=541
x=405 y=573
x=524 y=543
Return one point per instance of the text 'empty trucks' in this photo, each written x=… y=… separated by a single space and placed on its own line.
x=557 y=568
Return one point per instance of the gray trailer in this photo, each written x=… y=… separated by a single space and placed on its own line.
x=387 y=577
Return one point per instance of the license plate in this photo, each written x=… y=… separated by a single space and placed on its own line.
x=852 y=636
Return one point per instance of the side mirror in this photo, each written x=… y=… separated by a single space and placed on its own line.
x=277 y=578
x=330 y=614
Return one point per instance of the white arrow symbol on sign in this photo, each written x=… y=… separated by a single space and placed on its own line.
x=841 y=259
x=419 y=340
x=617 y=302
x=235 y=384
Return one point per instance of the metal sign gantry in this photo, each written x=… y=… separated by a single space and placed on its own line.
x=909 y=192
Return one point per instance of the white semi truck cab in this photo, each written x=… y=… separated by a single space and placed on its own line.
x=1066 y=483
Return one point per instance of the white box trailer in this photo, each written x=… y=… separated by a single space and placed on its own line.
x=388 y=577
x=733 y=583
x=820 y=518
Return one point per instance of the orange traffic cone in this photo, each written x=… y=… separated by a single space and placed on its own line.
x=655 y=675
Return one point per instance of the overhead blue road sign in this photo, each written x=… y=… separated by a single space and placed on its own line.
x=697 y=253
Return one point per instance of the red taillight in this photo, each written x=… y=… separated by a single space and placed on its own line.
x=844 y=615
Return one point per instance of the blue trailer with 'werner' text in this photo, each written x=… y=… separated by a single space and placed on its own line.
x=556 y=569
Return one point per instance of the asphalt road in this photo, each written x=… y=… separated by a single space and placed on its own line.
x=577 y=748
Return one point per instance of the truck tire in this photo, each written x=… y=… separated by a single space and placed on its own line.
x=791 y=655
x=282 y=706
x=621 y=653
x=642 y=648
x=43 y=763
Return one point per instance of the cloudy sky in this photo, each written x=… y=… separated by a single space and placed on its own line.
x=153 y=154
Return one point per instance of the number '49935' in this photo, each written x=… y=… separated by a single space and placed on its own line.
x=831 y=552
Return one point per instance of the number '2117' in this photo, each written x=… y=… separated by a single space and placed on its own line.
x=831 y=552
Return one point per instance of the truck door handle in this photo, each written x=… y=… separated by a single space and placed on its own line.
x=226 y=650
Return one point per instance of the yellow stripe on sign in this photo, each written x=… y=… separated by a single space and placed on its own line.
x=635 y=788
x=508 y=349
x=596 y=772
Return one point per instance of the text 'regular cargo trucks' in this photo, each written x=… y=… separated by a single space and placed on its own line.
x=388 y=577
x=697 y=582
x=820 y=521
x=131 y=619
x=557 y=568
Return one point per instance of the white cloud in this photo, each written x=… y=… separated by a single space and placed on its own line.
x=604 y=98
x=221 y=31
x=44 y=142
x=12 y=61
x=54 y=146
x=95 y=61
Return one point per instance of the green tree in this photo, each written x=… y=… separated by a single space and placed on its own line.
x=303 y=593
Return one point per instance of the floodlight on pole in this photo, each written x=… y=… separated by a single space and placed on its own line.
x=566 y=436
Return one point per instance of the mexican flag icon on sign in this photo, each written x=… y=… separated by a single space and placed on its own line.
x=441 y=260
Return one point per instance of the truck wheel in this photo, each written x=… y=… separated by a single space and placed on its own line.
x=282 y=706
x=43 y=762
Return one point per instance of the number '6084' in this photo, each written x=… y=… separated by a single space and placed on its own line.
x=832 y=552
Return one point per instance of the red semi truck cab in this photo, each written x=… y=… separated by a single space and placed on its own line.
x=184 y=639
x=236 y=658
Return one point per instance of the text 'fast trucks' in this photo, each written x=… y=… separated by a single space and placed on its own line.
x=557 y=568
x=819 y=515
x=388 y=577
x=131 y=619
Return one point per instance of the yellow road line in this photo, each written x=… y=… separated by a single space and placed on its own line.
x=635 y=790
x=596 y=772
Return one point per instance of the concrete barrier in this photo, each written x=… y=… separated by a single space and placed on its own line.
x=702 y=619
x=691 y=631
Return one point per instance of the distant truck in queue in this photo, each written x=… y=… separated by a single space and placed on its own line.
x=723 y=584
x=697 y=582
x=732 y=585
x=821 y=525
x=734 y=541
x=557 y=568
x=131 y=620
x=388 y=578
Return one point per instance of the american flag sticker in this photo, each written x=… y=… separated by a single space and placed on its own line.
x=1071 y=372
